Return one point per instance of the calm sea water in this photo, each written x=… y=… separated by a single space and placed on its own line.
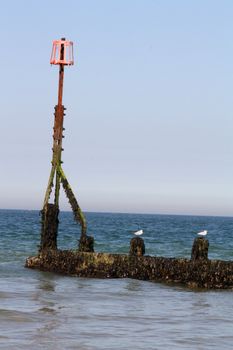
x=47 y=311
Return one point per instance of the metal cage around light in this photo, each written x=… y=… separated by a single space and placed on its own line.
x=62 y=52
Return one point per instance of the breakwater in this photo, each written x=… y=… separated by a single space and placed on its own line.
x=197 y=272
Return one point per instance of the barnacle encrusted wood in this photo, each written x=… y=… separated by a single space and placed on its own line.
x=137 y=246
x=196 y=274
x=200 y=248
x=49 y=226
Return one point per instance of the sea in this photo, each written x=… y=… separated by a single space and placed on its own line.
x=42 y=310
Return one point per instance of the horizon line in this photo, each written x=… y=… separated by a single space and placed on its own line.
x=125 y=213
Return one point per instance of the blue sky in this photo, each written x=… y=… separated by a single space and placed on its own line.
x=149 y=104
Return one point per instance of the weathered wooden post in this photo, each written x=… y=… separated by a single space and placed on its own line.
x=49 y=227
x=200 y=249
x=137 y=247
x=62 y=55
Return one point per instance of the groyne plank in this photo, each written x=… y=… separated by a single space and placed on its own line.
x=201 y=273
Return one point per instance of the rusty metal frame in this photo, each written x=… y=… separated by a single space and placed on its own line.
x=56 y=170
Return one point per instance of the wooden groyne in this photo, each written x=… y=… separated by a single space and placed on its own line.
x=197 y=272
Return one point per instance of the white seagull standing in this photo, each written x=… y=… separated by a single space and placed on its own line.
x=202 y=233
x=138 y=233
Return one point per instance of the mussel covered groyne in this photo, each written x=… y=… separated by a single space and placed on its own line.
x=197 y=272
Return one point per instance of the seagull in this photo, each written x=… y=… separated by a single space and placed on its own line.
x=138 y=233
x=202 y=233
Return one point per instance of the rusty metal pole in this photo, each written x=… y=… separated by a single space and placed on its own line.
x=50 y=211
x=58 y=125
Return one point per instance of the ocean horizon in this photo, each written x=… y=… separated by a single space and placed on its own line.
x=126 y=212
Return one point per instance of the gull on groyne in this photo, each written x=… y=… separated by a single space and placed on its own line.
x=202 y=233
x=138 y=233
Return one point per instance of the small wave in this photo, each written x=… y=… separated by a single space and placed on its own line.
x=14 y=315
x=47 y=309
